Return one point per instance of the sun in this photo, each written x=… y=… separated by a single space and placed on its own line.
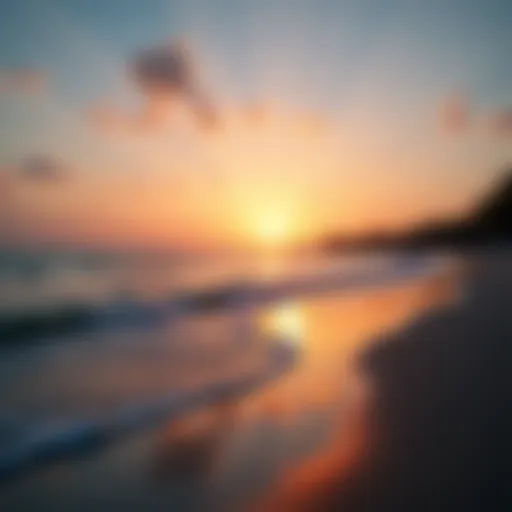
x=273 y=229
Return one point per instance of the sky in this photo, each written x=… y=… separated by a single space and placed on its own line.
x=302 y=118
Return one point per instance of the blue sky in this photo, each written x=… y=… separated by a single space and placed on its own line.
x=466 y=40
x=378 y=70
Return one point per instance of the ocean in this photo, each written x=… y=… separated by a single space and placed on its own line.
x=85 y=334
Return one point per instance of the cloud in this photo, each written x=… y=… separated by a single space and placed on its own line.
x=163 y=70
x=22 y=80
x=32 y=170
x=5 y=183
x=165 y=76
x=150 y=116
x=43 y=168
x=501 y=122
x=256 y=114
x=109 y=117
x=168 y=79
x=454 y=115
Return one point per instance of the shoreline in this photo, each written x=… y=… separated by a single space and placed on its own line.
x=41 y=326
x=437 y=423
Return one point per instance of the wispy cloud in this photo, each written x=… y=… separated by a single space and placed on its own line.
x=43 y=168
x=454 y=114
x=33 y=170
x=5 y=183
x=501 y=122
x=22 y=80
x=165 y=76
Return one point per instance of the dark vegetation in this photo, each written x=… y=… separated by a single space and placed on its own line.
x=490 y=222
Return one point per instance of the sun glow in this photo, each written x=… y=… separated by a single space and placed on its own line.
x=273 y=229
x=273 y=164
x=286 y=322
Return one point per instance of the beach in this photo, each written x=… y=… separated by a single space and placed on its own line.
x=255 y=256
x=436 y=426
x=232 y=453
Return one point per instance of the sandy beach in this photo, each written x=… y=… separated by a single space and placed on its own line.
x=437 y=424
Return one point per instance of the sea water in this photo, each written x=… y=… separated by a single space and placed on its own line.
x=229 y=453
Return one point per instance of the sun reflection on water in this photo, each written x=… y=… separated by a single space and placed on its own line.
x=286 y=322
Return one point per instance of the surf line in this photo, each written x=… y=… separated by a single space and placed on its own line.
x=44 y=445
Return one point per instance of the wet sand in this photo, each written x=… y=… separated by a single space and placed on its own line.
x=435 y=433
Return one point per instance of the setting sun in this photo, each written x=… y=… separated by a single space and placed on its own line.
x=273 y=229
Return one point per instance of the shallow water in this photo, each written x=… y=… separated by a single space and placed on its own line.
x=231 y=453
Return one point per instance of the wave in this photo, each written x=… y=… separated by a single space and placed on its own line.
x=42 y=444
x=66 y=320
x=31 y=445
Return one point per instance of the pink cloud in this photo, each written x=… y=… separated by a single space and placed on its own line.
x=43 y=168
x=165 y=76
x=454 y=115
x=501 y=122
x=5 y=183
x=151 y=115
x=24 y=80
x=34 y=168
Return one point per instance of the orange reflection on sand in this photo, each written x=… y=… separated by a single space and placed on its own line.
x=329 y=379
x=301 y=489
